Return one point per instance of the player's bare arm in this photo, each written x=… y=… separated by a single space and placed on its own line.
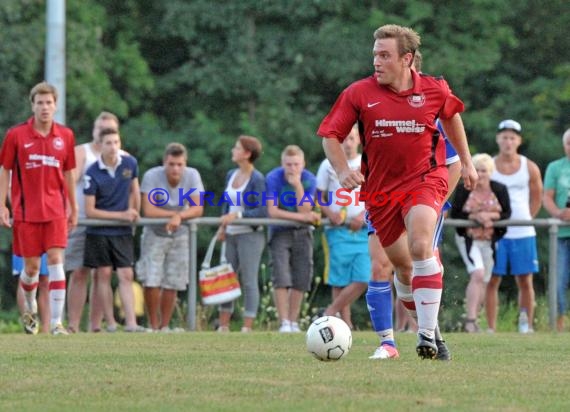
x=455 y=132
x=4 y=184
x=348 y=178
x=73 y=207
x=79 y=162
x=453 y=176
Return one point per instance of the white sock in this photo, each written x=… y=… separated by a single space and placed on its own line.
x=404 y=293
x=427 y=285
x=29 y=285
x=56 y=293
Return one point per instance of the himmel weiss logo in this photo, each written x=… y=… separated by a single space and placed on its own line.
x=402 y=126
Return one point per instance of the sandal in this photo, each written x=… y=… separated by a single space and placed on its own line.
x=470 y=326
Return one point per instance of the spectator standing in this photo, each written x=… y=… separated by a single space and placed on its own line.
x=516 y=252
x=556 y=201
x=165 y=252
x=85 y=155
x=290 y=193
x=245 y=187
x=112 y=192
x=488 y=201
x=346 y=237
x=40 y=155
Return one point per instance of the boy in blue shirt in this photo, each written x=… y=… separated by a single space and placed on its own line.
x=112 y=192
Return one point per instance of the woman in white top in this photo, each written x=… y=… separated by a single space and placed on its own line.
x=244 y=243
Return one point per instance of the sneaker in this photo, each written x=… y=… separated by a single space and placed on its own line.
x=59 y=330
x=111 y=328
x=426 y=347
x=319 y=313
x=295 y=327
x=245 y=329
x=30 y=322
x=177 y=330
x=524 y=324
x=167 y=329
x=385 y=351
x=443 y=352
x=223 y=329
x=471 y=326
x=137 y=329
x=285 y=327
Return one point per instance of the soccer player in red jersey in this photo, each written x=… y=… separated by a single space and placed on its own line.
x=396 y=109
x=40 y=155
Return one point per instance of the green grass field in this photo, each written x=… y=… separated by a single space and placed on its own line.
x=267 y=371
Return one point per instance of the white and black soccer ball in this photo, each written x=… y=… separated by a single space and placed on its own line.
x=329 y=338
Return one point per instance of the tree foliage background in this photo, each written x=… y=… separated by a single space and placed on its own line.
x=202 y=72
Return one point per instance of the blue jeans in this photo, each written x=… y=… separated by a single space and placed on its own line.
x=563 y=269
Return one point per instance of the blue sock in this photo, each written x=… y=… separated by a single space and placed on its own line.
x=379 y=301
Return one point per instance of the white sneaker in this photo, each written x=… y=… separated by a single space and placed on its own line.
x=285 y=327
x=30 y=322
x=59 y=330
x=295 y=327
x=177 y=330
x=385 y=351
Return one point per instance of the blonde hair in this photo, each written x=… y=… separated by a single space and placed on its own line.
x=418 y=60
x=292 y=150
x=408 y=40
x=107 y=116
x=484 y=160
x=43 y=88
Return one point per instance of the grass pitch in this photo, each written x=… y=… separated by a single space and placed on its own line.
x=267 y=371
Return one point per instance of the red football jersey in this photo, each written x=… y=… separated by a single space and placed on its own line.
x=39 y=192
x=399 y=142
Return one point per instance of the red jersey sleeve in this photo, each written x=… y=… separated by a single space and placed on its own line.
x=338 y=123
x=8 y=154
x=70 y=156
x=452 y=103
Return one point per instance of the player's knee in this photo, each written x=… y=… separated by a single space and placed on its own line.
x=421 y=248
x=381 y=270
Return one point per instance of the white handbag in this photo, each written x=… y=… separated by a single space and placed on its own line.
x=218 y=284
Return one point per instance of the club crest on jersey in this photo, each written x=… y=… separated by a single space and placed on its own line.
x=417 y=100
x=127 y=173
x=58 y=143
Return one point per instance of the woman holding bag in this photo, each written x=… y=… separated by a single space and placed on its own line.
x=244 y=244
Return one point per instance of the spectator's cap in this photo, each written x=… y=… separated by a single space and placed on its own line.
x=510 y=124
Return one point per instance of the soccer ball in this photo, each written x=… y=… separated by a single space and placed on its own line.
x=329 y=338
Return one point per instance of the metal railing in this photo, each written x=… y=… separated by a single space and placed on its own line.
x=193 y=224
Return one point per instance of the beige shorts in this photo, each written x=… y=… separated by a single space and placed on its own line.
x=480 y=256
x=164 y=261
